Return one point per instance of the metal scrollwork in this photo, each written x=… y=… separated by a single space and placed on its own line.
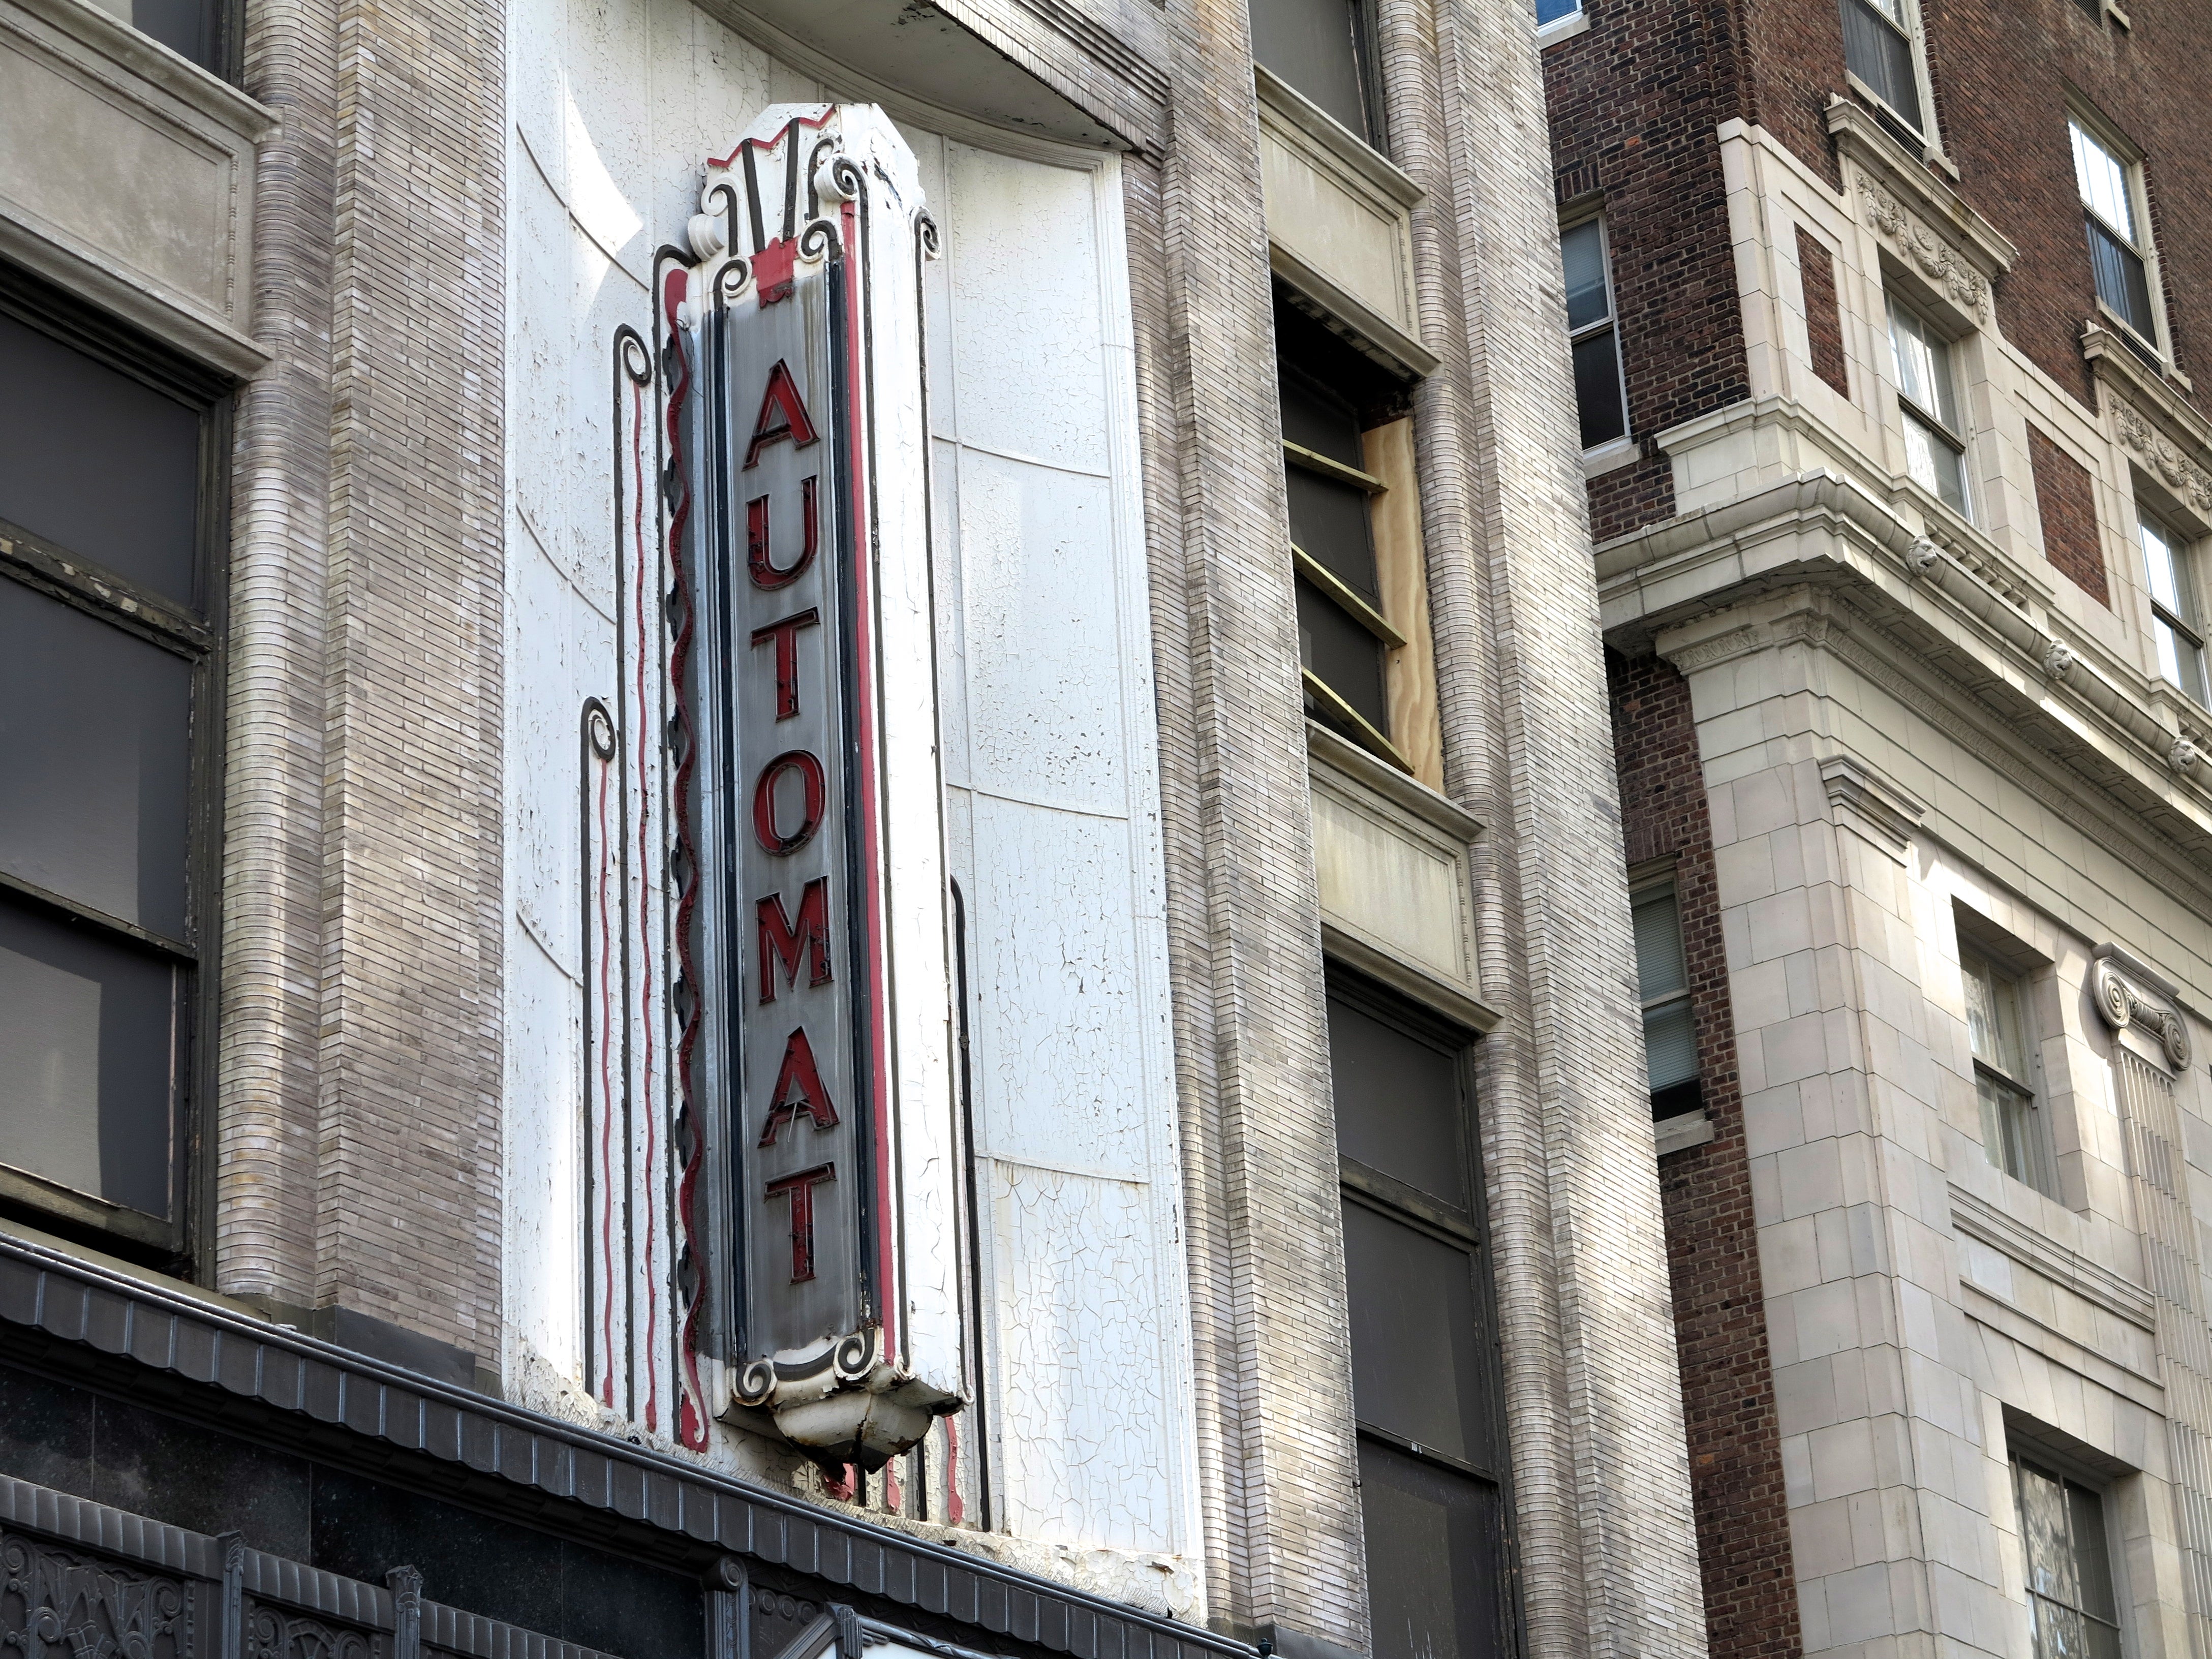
x=54 y=1601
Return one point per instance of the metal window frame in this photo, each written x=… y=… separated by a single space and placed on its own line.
x=1466 y=1229
x=1960 y=443
x=2144 y=245
x=1610 y=322
x=199 y=635
x=2006 y=978
x=2068 y=1474
x=1915 y=33
x=1330 y=587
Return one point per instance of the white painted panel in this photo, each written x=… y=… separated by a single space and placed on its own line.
x=1081 y=1321
x=1059 y=1054
x=1024 y=267
x=1041 y=642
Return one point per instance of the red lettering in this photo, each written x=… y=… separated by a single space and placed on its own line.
x=801 y=1188
x=783 y=415
x=786 y=636
x=772 y=269
x=759 y=562
x=781 y=942
x=798 y=1089
x=817 y=791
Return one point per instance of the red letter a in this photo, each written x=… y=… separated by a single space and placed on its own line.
x=798 y=1089
x=783 y=415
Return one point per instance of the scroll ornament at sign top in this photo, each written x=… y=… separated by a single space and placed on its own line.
x=819 y=1218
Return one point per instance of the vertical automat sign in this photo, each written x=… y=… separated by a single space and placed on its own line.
x=815 y=1053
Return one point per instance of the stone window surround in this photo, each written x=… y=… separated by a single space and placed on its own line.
x=195 y=109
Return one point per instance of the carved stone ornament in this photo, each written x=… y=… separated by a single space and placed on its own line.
x=2122 y=1003
x=1931 y=254
x=1921 y=557
x=2057 y=660
x=2182 y=476
x=2184 y=754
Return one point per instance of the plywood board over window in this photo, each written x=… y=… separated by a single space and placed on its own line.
x=1401 y=573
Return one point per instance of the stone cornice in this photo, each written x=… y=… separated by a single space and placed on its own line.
x=1821 y=531
x=155 y=65
x=2072 y=780
x=1915 y=191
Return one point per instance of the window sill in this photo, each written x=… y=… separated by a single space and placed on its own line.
x=1678 y=1134
x=1611 y=458
x=1562 y=28
x=2146 y=350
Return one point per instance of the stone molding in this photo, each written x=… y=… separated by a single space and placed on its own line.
x=1834 y=624
x=1957 y=572
x=1915 y=191
x=2128 y=993
x=2170 y=462
x=1933 y=256
x=2040 y=1253
x=1886 y=813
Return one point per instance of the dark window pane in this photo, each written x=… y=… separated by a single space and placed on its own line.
x=1597 y=391
x=1318 y=419
x=2087 y=1513
x=93 y=460
x=1879 y=54
x=2121 y=282
x=1397 y=1104
x=1329 y=520
x=1343 y=654
x=1550 y=11
x=88 y=1047
x=185 y=27
x=95 y=729
x=1435 y=1576
x=1314 y=45
x=1581 y=257
x=1418 y=1367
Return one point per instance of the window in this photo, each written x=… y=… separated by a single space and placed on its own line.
x=1324 y=49
x=1556 y=11
x=2177 y=624
x=1878 y=49
x=1935 y=451
x=1601 y=397
x=2107 y=184
x=1425 y=1357
x=1342 y=632
x=1662 y=982
x=192 y=28
x=107 y=673
x=2070 y=1596
x=2014 y=1134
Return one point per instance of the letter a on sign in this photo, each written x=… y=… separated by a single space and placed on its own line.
x=783 y=415
x=798 y=1089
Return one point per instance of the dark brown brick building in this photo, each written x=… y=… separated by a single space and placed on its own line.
x=1885 y=317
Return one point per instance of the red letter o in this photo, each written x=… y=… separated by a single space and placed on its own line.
x=817 y=790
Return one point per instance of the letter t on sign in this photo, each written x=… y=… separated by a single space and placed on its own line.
x=801 y=1188
x=786 y=636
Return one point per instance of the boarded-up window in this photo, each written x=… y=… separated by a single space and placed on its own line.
x=2068 y=505
x=1824 y=321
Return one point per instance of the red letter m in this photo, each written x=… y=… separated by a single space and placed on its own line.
x=781 y=942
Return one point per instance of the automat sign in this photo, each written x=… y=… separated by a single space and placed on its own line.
x=816 y=1048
